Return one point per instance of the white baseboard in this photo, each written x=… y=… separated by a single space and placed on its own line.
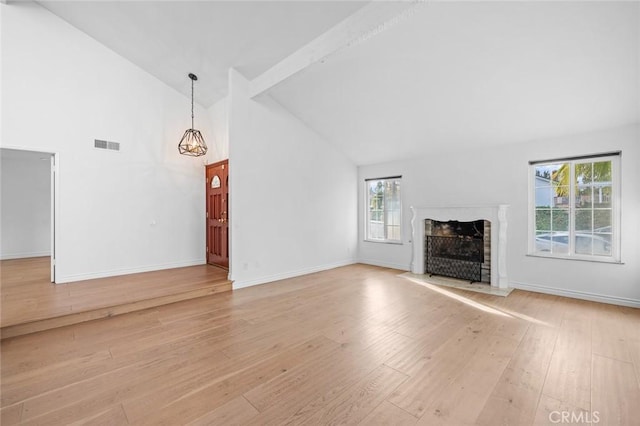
x=116 y=272
x=291 y=274
x=24 y=255
x=402 y=267
x=613 y=300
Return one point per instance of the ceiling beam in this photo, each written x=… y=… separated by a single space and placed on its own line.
x=367 y=22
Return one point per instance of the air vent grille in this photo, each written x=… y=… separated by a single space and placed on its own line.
x=113 y=146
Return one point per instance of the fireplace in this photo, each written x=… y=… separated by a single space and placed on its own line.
x=494 y=242
x=457 y=249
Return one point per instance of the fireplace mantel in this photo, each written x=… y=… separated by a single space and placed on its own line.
x=497 y=215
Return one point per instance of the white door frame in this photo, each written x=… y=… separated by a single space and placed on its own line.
x=54 y=216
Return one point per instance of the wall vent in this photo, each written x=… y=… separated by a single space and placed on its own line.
x=113 y=146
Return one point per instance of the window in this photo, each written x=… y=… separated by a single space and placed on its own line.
x=574 y=208
x=383 y=214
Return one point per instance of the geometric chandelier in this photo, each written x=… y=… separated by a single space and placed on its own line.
x=192 y=142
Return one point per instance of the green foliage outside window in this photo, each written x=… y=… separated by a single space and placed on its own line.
x=557 y=219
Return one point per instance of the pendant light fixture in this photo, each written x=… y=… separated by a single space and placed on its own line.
x=192 y=142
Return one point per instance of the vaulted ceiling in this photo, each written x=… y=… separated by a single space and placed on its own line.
x=170 y=39
x=452 y=74
x=465 y=74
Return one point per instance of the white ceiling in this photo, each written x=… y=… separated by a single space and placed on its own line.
x=454 y=74
x=460 y=74
x=170 y=39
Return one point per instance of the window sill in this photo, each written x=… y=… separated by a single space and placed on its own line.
x=397 y=243
x=579 y=259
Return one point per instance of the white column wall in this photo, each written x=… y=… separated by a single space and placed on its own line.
x=293 y=196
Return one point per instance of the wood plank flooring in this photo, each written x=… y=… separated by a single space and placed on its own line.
x=353 y=345
x=31 y=303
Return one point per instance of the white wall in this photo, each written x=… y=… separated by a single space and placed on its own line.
x=219 y=144
x=293 y=196
x=119 y=212
x=500 y=175
x=25 y=204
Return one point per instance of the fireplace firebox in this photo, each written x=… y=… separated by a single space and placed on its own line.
x=456 y=249
x=494 y=268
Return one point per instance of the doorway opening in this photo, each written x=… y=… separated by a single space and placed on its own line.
x=28 y=216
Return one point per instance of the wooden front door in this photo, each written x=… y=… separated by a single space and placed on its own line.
x=218 y=213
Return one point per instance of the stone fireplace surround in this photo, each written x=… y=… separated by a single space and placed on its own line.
x=497 y=215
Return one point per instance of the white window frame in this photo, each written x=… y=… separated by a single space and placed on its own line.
x=384 y=240
x=616 y=201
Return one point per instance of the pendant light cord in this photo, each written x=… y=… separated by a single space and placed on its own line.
x=192 y=104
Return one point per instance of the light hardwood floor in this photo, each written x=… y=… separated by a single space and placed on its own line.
x=30 y=302
x=353 y=345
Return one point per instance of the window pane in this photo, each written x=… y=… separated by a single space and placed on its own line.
x=584 y=197
x=376 y=200
x=543 y=242
x=584 y=244
x=543 y=219
x=393 y=217
x=544 y=196
x=602 y=221
x=593 y=244
x=584 y=220
x=393 y=233
x=561 y=196
x=561 y=177
x=584 y=173
x=560 y=220
x=560 y=243
x=543 y=175
x=544 y=186
x=552 y=242
x=602 y=171
x=602 y=244
x=602 y=196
